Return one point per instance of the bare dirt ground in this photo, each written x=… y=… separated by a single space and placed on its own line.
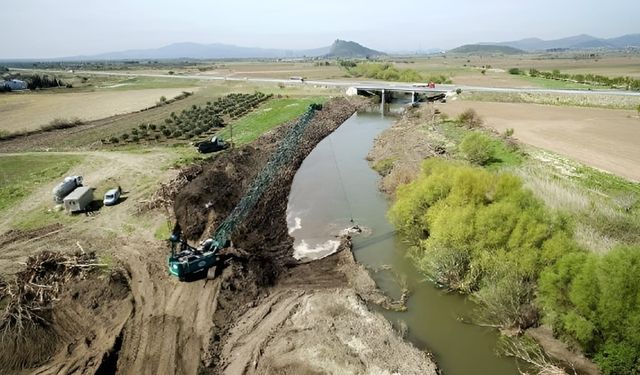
x=29 y=111
x=258 y=316
x=607 y=139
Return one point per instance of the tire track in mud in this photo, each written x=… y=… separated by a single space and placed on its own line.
x=172 y=322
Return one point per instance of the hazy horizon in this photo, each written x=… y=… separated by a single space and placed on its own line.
x=73 y=27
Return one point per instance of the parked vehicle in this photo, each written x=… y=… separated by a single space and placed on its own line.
x=112 y=197
x=79 y=199
x=214 y=145
x=64 y=188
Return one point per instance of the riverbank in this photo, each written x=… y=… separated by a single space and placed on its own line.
x=396 y=158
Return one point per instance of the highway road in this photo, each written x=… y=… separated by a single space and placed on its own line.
x=373 y=85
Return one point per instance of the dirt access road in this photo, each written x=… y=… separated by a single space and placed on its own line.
x=607 y=139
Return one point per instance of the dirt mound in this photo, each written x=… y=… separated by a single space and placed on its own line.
x=315 y=320
x=51 y=304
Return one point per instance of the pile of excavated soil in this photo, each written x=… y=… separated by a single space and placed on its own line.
x=82 y=329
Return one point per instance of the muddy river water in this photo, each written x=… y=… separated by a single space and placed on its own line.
x=334 y=185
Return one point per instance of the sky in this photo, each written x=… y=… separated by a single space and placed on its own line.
x=48 y=28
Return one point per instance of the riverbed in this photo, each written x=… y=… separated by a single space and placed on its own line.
x=334 y=189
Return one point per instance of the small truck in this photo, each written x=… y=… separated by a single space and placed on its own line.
x=78 y=200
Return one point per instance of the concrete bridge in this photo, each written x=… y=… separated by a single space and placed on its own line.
x=387 y=92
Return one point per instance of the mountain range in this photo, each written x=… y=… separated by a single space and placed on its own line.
x=576 y=42
x=349 y=49
x=339 y=48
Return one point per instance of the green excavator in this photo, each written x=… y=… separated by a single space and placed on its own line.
x=186 y=261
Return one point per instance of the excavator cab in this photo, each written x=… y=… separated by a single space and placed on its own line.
x=186 y=260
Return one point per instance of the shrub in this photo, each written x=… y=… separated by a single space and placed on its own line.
x=594 y=300
x=114 y=140
x=166 y=132
x=515 y=71
x=60 y=123
x=477 y=148
x=125 y=136
x=384 y=166
x=470 y=119
x=152 y=127
x=508 y=133
x=479 y=232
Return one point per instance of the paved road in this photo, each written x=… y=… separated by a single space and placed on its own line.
x=345 y=83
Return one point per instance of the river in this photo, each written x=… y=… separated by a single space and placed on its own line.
x=334 y=185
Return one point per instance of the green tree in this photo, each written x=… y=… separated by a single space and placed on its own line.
x=477 y=148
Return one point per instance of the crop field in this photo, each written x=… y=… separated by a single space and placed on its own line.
x=604 y=138
x=30 y=111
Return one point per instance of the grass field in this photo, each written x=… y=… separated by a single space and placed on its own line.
x=269 y=115
x=556 y=84
x=21 y=174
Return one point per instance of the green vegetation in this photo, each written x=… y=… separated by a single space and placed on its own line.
x=477 y=148
x=195 y=121
x=276 y=112
x=479 y=232
x=594 y=301
x=621 y=82
x=388 y=72
x=384 y=166
x=515 y=71
x=21 y=173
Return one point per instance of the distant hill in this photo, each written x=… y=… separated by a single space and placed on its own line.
x=629 y=40
x=576 y=42
x=203 y=51
x=339 y=48
x=344 y=48
x=483 y=49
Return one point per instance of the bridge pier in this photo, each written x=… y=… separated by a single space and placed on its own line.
x=413 y=97
x=382 y=102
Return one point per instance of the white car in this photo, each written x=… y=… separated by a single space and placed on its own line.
x=112 y=196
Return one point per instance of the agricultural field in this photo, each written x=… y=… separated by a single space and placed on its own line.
x=196 y=121
x=30 y=111
x=603 y=138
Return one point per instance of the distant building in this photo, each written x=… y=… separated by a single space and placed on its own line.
x=15 y=84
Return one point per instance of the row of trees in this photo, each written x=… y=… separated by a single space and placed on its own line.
x=388 y=72
x=196 y=121
x=622 y=82
x=37 y=81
